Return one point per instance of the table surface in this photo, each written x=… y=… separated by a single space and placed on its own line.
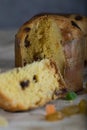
x=34 y=119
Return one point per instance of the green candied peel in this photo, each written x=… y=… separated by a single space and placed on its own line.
x=71 y=95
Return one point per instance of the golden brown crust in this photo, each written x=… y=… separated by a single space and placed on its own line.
x=81 y=21
x=65 y=24
x=18 y=59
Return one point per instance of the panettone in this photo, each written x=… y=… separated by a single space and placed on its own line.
x=56 y=37
x=31 y=86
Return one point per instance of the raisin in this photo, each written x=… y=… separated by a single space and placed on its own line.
x=37 y=57
x=27 y=42
x=25 y=63
x=78 y=17
x=24 y=84
x=35 y=78
x=75 y=25
x=27 y=29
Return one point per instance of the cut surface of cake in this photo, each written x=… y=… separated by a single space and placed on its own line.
x=29 y=87
x=39 y=41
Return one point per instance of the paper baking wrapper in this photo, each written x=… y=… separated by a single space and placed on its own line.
x=73 y=73
x=86 y=50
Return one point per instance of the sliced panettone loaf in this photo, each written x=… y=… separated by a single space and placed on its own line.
x=31 y=86
x=55 y=37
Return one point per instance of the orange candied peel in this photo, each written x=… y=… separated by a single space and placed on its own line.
x=50 y=109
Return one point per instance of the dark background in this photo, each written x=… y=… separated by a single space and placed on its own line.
x=13 y=13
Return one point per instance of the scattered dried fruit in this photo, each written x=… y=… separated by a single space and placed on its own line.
x=53 y=115
x=50 y=109
x=70 y=110
x=83 y=106
x=71 y=95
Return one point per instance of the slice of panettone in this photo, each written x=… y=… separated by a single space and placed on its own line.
x=31 y=86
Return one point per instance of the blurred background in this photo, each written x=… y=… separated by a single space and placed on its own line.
x=13 y=13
